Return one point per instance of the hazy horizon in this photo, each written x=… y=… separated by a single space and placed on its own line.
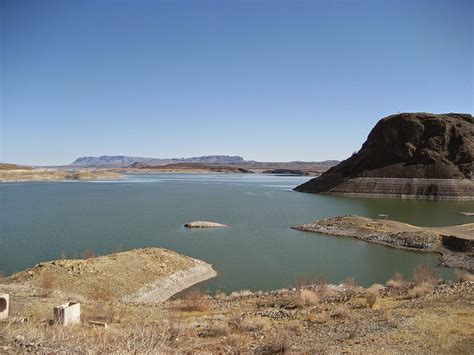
x=265 y=80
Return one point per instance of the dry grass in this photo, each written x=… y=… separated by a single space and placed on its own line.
x=250 y=324
x=372 y=294
x=340 y=312
x=397 y=281
x=241 y=293
x=101 y=294
x=238 y=342
x=217 y=330
x=420 y=290
x=47 y=283
x=307 y=298
x=195 y=300
x=2 y=277
x=463 y=276
x=280 y=344
x=370 y=298
x=424 y=274
x=88 y=254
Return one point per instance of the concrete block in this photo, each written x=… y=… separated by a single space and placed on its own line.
x=4 y=305
x=95 y=323
x=68 y=314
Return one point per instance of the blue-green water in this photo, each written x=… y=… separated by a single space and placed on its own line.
x=258 y=250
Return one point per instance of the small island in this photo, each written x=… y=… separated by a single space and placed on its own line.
x=204 y=224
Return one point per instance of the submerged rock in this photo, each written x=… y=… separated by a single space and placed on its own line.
x=203 y=224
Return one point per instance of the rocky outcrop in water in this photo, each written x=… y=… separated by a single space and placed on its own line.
x=408 y=155
x=203 y=224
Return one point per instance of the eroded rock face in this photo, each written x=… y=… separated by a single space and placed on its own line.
x=408 y=146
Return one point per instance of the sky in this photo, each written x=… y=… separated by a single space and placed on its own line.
x=267 y=80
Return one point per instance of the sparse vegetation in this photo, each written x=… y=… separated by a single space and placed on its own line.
x=465 y=276
x=217 y=330
x=372 y=294
x=420 y=290
x=241 y=293
x=47 y=283
x=195 y=300
x=397 y=281
x=307 y=298
x=88 y=254
x=250 y=324
x=425 y=274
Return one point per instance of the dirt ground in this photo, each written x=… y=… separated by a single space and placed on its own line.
x=421 y=315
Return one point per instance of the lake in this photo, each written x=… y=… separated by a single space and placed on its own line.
x=41 y=220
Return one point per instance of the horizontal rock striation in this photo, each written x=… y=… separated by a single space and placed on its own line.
x=416 y=155
x=430 y=189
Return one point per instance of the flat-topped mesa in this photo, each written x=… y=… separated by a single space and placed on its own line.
x=408 y=155
x=204 y=224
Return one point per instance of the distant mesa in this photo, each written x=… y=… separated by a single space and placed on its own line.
x=203 y=224
x=122 y=161
x=408 y=155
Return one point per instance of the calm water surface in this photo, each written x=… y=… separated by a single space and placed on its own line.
x=38 y=221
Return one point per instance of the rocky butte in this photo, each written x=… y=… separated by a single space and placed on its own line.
x=407 y=155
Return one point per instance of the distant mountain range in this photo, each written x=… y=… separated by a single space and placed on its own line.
x=129 y=162
x=121 y=161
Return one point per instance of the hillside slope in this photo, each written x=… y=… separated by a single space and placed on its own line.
x=412 y=155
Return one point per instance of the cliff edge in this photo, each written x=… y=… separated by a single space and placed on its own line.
x=408 y=155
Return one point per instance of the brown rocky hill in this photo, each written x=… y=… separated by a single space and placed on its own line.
x=412 y=155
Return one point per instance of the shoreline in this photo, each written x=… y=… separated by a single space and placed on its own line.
x=55 y=175
x=168 y=286
x=451 y=244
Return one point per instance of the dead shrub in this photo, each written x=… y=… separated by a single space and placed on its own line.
x=219 y=296
x=424 y=274
x=295 y=328
x=217 y=330
x=195 y=300
x=142 y=339
x=370 y=298
x=88 y=254
x=350 y=282
x=101 y=294
x=463 y=276
x=397 y=281
x=241 y=293
x=280 y=344
x=420 y=290
x=238 y=342
x=47 y=283
x=372 y=294
x=251 y=325
x=340 y=312
x=307 y=298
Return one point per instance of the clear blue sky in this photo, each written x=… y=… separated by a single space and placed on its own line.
x=268 y=80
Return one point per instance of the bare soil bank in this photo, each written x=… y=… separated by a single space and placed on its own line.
x=140 y=275
x=404 y=317
x=454 y=243
x=17 y=175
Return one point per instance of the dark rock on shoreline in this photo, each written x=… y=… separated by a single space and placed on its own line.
x=410 y=155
